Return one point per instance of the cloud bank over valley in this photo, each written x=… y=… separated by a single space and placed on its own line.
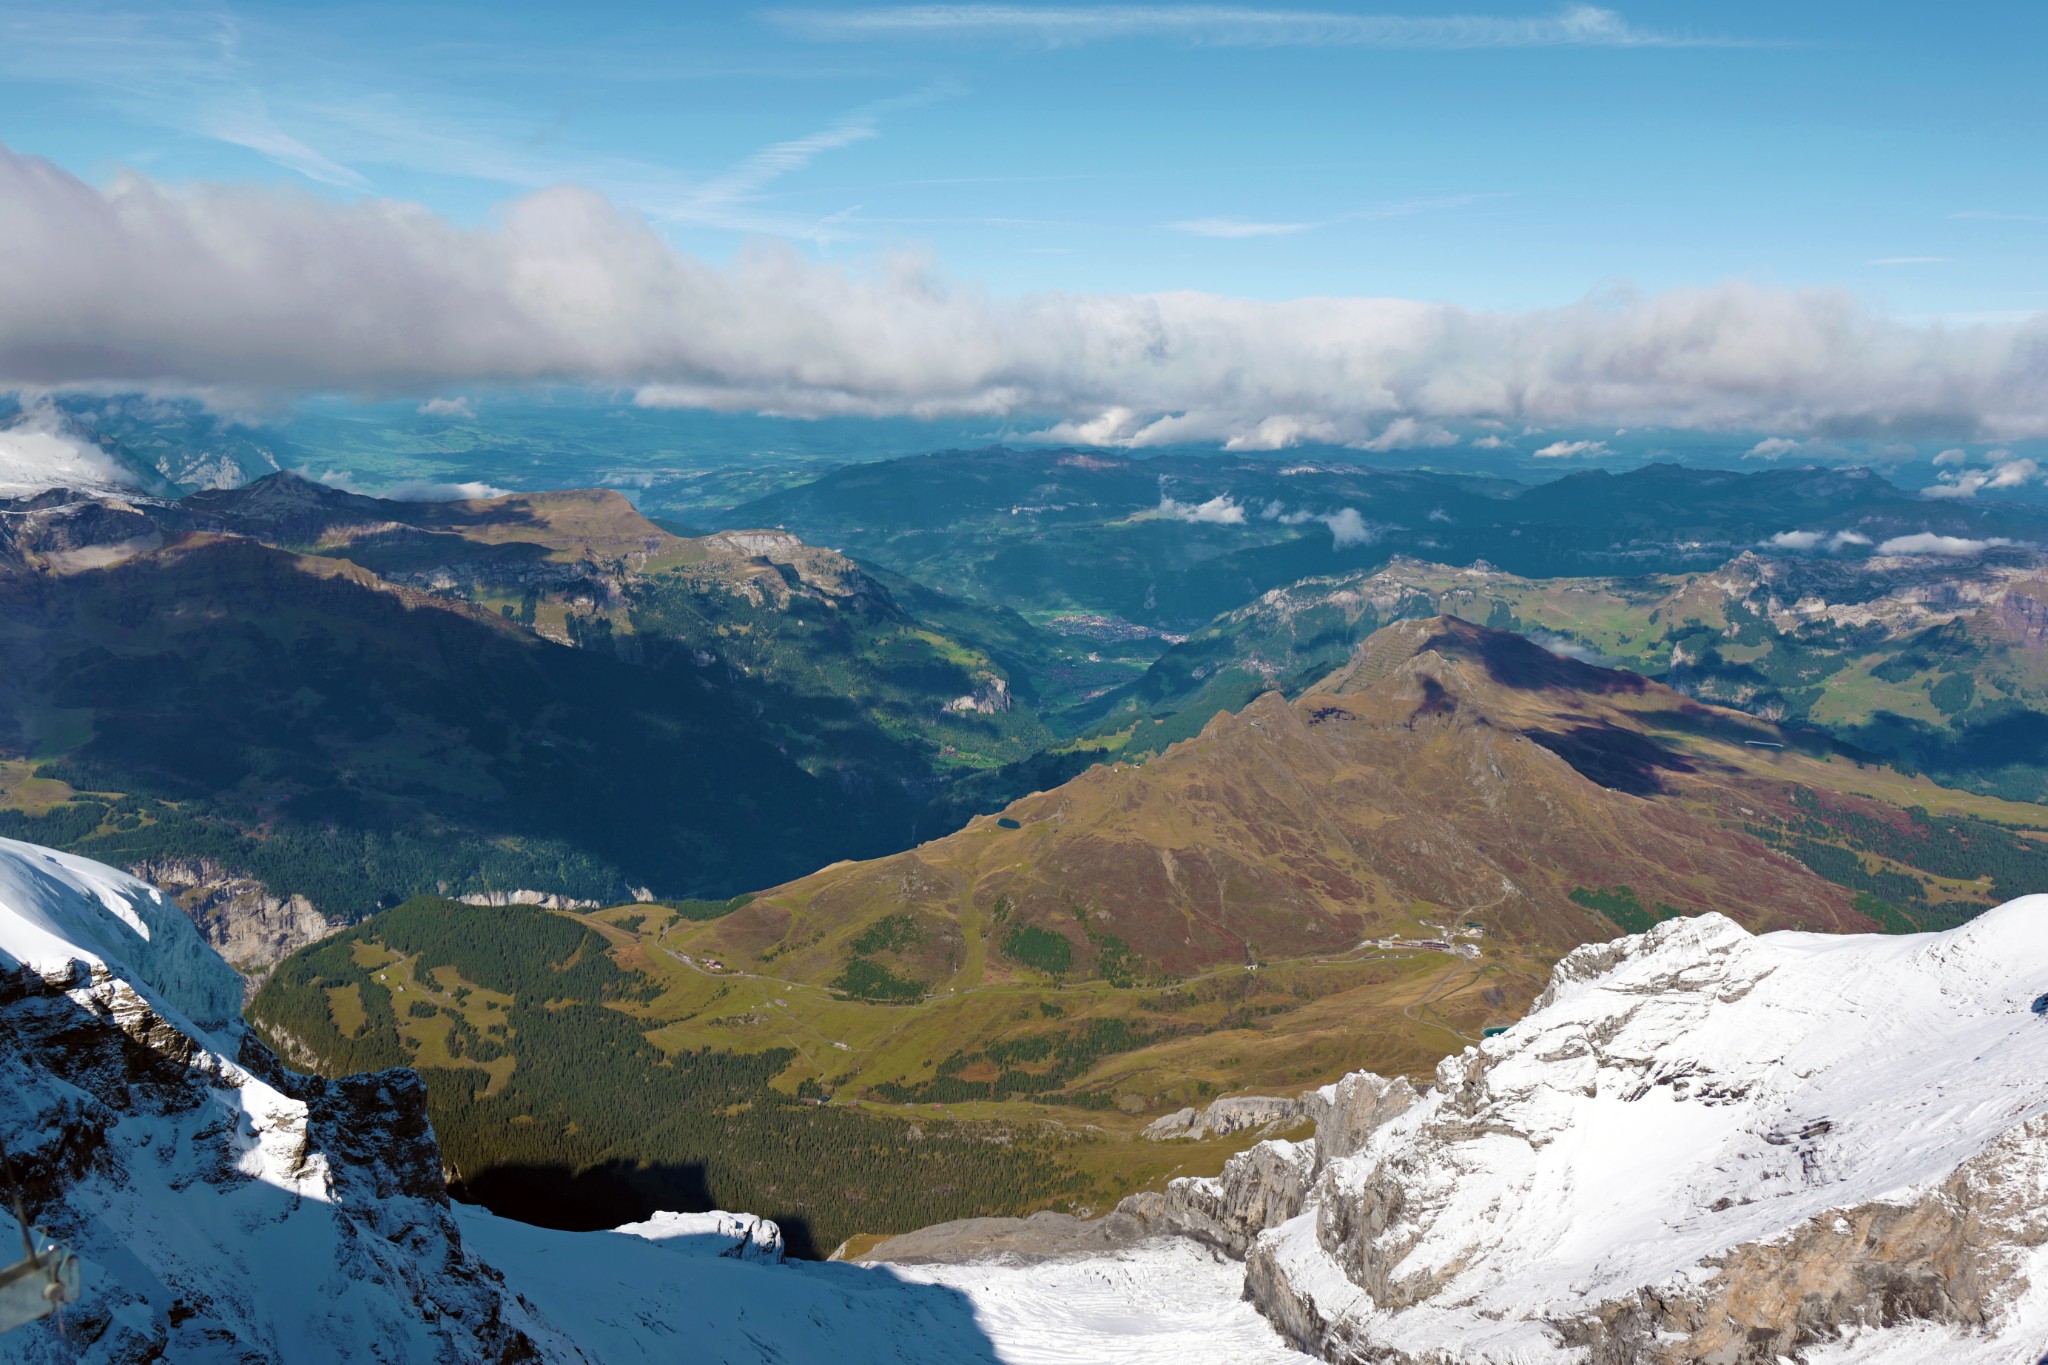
x=250 y=294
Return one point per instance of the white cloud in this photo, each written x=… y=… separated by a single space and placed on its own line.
x=1770 y=448
x=448 y=407
x=1577 y=25
x=1564 y=449
x=2007 y=471
x=1988 y=215
x=1347 y=526
x=40 y=450
x=1564 y=647
x=1953 y=455
x=1347 y=529
x=1948 y=547
x=440 y=492
x=203 y=289
x=1406 y=433
x=1220 y=510
x=1795 y=540
x=1799 y=542
x=1999 y=455
x=1279 y=433
x=412 y=490
x=1439 y=514
x=1490 y=443
x=1236 y=228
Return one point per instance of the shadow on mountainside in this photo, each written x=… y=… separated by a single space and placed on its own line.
x=606 y=1196
x=1619 y=760
x=1515 y=661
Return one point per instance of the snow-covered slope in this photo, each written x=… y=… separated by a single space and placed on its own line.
x=57 y=909
x=1702 y=1146
x=226 y=1210
x=223 y=1209
x=1708 y=1145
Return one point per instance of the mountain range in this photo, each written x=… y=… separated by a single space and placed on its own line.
x=985 y=864
x=1376 y=873
x=360 y=700
x=1688 y=1151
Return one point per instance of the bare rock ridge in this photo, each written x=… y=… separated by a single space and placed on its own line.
x=1258 y=1188
x=1702 y=1147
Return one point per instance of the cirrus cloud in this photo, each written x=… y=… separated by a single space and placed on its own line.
x=253 y=293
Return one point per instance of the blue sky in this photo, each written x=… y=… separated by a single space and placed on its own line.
x=1519 y=161
x=1529 y=225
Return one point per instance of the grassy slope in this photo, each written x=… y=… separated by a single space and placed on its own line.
x=1295 y=827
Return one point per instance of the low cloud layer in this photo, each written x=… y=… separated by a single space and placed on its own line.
x=1347 y=526
x=1948 y=547
x=416 y=490
x=1802 y=541
x=38 y=450
x=2007 y=471
x=248 y=293
x=1217 y=511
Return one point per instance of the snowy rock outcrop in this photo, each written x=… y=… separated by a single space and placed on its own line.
x=1235 y=1114
x=1708 y=1146
x=1259 y=1189
x=735 y=1236
x=223 y=1208
x=229 y=1212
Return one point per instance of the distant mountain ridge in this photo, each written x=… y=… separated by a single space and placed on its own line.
x=294 y=660
x=1930 y=661
x=1171 y=541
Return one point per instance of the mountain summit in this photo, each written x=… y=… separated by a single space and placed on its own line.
x=1453 y=794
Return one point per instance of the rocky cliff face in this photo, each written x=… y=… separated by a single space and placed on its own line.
x=1702 y=1147
x=247 y=925
x=1707 y=1146
x=224 y=1208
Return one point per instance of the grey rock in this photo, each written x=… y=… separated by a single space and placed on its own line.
x=1044 y=1236
x=1235 y=1114
x=245 y=923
